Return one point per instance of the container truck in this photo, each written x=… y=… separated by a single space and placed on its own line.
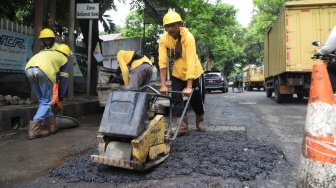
x=288 y=47
x=253 y=77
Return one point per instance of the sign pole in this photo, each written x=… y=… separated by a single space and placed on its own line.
x=88 y=74
x=88 y=11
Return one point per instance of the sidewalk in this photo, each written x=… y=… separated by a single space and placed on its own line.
x=17 y=116
x=24 y=160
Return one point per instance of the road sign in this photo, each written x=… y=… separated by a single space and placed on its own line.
x=87 y=11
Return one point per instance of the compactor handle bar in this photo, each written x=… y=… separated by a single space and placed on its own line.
x=184 y=111
x=328 y=57
x=170 y=106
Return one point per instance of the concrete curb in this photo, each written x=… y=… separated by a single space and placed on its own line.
x=17 y=116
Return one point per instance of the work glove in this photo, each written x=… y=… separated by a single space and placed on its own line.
x=59 y=107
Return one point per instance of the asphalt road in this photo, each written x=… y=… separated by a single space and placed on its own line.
x=251 y=142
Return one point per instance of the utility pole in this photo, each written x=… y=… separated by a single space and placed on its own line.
x=71 y=44
x=39 y=4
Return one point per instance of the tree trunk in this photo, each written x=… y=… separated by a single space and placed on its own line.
x=52 y=14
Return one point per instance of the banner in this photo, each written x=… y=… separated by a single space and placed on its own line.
x=15 y=51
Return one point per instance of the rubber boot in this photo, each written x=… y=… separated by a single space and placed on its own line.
x=51 y=122
x=200 y=123
x=35 y=130
x=183 y=127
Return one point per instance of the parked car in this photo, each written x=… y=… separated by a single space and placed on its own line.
x=215 y=80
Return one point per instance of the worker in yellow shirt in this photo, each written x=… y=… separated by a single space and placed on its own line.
x=140 y=66
x=41 y=72
x=179 y=45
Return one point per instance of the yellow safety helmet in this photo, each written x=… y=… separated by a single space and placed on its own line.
x=171 y=17
x=47 y=33
x=64 y=49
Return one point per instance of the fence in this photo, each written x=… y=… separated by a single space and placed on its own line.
x=15 y=27
x=29 y=30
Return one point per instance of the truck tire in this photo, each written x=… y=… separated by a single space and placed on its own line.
x=299 y=96
x=279 y=98
x=269 y=93
x=289 y=98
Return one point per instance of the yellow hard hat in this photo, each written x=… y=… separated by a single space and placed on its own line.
x=47 y=33
x=64 y=49
x=171 y=17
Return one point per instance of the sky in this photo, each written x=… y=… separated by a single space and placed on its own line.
x=243 y=15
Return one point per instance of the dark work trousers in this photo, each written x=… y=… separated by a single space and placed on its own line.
x=141 y=75
x=197 y=98
x=332 y=74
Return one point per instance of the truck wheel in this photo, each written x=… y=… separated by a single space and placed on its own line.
x=269 y=93
x=279 y=98
x=299 y=96
x=289 y=98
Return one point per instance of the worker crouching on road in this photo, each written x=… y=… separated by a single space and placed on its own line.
x=179 y=44
x=47 y=38
x=141 y=68
x=41 y=72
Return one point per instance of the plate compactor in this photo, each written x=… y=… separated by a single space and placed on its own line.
x=131 y=134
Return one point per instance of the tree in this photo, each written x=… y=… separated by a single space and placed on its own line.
x=134 y=28
x=265 y=13
x=217 y=34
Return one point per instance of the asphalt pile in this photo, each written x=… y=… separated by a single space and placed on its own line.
x=226 y=154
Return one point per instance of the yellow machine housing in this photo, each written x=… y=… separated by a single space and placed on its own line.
x=130 y=136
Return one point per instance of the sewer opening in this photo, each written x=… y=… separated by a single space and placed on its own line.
x=15 y=122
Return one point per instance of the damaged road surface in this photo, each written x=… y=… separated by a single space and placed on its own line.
x=247 y=144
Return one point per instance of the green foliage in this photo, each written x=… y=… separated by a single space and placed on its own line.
x=134 y=28
x=18 y=11
x=134 y=25
x=217 y=33
x=265 y=13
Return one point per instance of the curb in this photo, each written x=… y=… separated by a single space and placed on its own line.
x=14 y=117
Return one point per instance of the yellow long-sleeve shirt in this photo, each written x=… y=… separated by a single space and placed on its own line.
x=124 y=59
x=188 y=65
x=49 y=61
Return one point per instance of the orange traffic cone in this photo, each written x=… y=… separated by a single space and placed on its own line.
x=318 y=159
